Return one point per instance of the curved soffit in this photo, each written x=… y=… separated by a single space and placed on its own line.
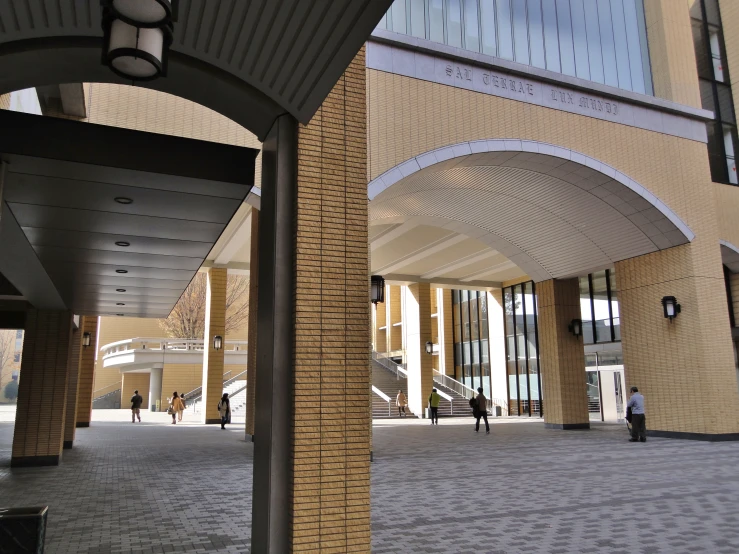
x=291 y=52
x=554 y=212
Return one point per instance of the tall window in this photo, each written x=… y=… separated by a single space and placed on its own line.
x=522 y=349
x=713 y=73
x=471 y=339
x=599 y=307
x=600 y=40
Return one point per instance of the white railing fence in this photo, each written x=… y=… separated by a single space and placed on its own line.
x=175 y=345
x=387 y=363
x=385 y=398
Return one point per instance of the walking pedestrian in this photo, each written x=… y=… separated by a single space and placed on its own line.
x=175 y=407
x=136 y=401
x=481 y=411
x=638 y=417
x=401 y=402
x=434 y=400
x=224 y=408
x=184 y=407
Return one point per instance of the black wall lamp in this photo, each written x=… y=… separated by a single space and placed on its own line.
x=575 y=327
x=429 y=347
x=671 y=307
x=218 y=342
x=86 y=339
x=137 y=36
x=377 y=291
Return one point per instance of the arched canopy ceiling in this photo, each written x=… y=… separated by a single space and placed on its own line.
x=551 y=211
x=250 y=61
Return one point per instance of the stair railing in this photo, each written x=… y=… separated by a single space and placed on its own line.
x=387 y=363
x=385 y=397
x=445 y=396
x=460 y=388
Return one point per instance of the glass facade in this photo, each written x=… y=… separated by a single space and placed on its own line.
x=599 y=308
x=599 y=40
x=713 y=74
x=522 y=350
x=471 y=339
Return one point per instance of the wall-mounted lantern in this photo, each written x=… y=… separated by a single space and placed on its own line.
x=670 y=307
x=575 y=327
x=86 y=339
x=218 y=342
x=377 y=291
x=429 y=347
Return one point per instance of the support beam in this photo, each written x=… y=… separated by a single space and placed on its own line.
x=88 y=324
x=562 y=356
x=251 y=362
x=417 y=301
x=215 y=325
x=39 y=424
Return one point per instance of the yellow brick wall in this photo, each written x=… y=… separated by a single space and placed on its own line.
x=215 y=324
x=5 y=101
x=87 y=370
x=135 y=381
x=39 y=423
x=330 y=504
x=73 y=369
x=186 y=377
x=395 y=313
x=561 y=354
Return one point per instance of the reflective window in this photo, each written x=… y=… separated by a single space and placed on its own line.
x=599 y=308
x=471 y=355
x=599 y=40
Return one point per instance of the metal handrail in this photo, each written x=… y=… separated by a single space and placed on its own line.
x=460 y=388
x=387 y=363
x=198 y=392
x=384 y=397
x=234 y=378
x=112 y=388
x=166 y=343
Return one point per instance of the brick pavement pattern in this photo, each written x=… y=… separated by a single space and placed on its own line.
x=158 y=488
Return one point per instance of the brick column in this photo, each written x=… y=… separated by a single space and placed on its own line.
x=42 y=394
x=73 y=369
x=215 y=324
x=87 y=372
x=251 y=362
x=562 y=356
x=417 y=298
x=331 y=446
x=684 y=368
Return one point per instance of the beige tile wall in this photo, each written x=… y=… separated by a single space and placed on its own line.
x=87 y=371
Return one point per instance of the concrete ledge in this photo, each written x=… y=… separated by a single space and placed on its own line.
x=249 y=438
x=708 y=437
x=82 y=424
x=567 y=426
x=68 y=444
x=212 y=421
x=34 y=461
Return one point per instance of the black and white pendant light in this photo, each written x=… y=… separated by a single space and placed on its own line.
x=137 y=37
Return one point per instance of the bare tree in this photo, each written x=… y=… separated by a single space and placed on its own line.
x=187 y=320
x=7 y=352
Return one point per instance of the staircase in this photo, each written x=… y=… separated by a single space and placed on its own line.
x=236 y=389
x=389 y=383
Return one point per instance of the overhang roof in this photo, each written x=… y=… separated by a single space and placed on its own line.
x=60 y=222
x=251 y=61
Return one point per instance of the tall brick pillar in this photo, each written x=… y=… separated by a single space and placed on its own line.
x=73 y=369
x=420 y=366
x=562 y=356
x=251 y=362
x=312 y=445
x=42 y=395
x=87 y=372
x=215 y=324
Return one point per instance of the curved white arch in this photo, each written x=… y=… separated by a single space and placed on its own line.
x=553 y=211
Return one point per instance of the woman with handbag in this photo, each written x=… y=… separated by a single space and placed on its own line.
x=224 y=408
x=175 y=407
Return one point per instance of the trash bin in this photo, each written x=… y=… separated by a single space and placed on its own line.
x=498 y=411
x=22 y=529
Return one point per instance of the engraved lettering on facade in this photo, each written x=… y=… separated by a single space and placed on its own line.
x=506 y=83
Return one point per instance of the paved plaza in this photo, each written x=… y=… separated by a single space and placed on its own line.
x=155 y=487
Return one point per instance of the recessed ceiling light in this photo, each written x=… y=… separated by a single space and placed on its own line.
x=120 y=290
x=123 y=200
x=121 y=271
x=119 y=304
x=122 y=243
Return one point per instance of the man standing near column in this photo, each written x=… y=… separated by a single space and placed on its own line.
x=136 y=401
x=638 y=419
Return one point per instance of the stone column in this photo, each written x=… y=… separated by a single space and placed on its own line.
x=73 y=369
x=87 y=372
x=251 y=362
x=562 y=356
x=215 y=324
x=496 y=334
x=684 y=368
x=155 y=389
x=417 y=332
x=42 y=394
